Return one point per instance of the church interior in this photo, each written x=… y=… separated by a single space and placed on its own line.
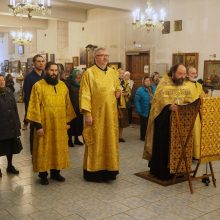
x=67 y=32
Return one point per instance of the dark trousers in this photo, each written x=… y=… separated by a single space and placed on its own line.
x=143 y=127
x=130 y=115
x=25 y=114
x=53 y=172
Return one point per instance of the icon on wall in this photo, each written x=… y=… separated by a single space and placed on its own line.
x=166 y=27
x=178 y=25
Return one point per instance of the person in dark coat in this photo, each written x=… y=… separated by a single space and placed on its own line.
x=9 y=126
x=76 y=125
x=34 y=76
x=9 y=82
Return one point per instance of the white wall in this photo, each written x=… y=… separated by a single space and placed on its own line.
x=104 y=28
x=200 y=32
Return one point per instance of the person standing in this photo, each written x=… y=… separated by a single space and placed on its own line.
x=125 y=95
x=99 y=90
x=172 y=90
x=76 y=125
x=50 y=110
x=34 y=76
x=155 y=79
x=9 y=82
x=130 y=103
x=143 y=98
x=197 y=92
x=9 y=126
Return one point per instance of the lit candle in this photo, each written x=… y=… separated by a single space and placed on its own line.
x=162 y=15
x=134 y=17
x=138 y=14
x=13 y=34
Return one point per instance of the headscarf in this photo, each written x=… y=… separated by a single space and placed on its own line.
x=72 y=78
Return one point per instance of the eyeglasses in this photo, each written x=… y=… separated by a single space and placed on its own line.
x=102 y=55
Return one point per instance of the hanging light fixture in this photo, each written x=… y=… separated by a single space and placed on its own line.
x=30 y=7
x=150 y=19
x=21 y=38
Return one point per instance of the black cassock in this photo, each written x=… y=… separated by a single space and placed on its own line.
x=161 y=140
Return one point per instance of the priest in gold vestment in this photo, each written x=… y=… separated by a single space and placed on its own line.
x=50 y=110
x=99 y=90
x=197 y=92
x=171 y=90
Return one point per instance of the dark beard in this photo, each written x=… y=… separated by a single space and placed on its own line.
x=50 y=80
x=178 y=82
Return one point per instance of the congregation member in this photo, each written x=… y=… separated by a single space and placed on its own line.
x=155 y=79
x=9 y=82
x=9 y=127
x=125 y=95
x=50 y=110
x=63 y=75
x=171 y=91
x=76 y=125
x=130 y=102
x=34 y=76
x=99 y=90
x=197 y=92
x=143 y=98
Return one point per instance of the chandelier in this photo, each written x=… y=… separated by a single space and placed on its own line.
x=21 y=38
x=150 y=19
x=30 y=7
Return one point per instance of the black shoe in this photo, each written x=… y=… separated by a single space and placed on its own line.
x=77 y=142
x=12 y=170
x=142 y=139
x=70 y=143
x=0 y=173
x=57 y=177
x=121 y=140
x=44 y=181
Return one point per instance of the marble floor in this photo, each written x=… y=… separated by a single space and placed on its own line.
x=129 y=197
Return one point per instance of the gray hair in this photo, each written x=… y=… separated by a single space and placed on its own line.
x=127 y=73
x=97 y=50
x=189 y=68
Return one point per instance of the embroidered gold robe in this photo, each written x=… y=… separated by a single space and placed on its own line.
x=97 y=98
x=166 y=94
x=51 y=107
x=197 y=92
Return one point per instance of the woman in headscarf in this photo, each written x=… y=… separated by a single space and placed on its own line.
x=76 y=125
x=9 y=126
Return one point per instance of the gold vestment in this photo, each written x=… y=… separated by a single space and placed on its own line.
x=166 y=93
x=97 y=98
x=51 y=107
x=197 y=92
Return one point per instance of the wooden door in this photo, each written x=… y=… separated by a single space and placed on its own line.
x=136 y=62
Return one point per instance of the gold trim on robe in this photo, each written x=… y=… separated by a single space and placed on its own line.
x=97 y=96
x=51 y=107
x=166 y=93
